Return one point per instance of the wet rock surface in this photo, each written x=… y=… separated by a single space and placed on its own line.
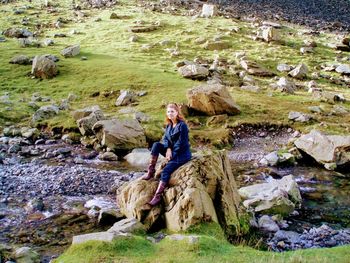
x=46 y=193
x=324 y=193
x=316 y=237
x=46 y=185
x=252 y=142
x=44 y=180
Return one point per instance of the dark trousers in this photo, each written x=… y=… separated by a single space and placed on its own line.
x=171 y=166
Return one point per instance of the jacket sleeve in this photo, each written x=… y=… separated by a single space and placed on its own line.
x=166 y=142
x=183 y=138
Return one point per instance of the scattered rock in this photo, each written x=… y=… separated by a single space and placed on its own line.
x=26 y=254
x=284 y=67
x=286 y=85
x=299 y=72
x=193 y=71
x=98 y=236
x=119 y=134
x=325 y=148
x=17 y=33
x=141 y=117
x=138 y=157
x=267 y=224
x=268 y=34
x=275 y=197
x=331 y=97
x=212 y=100
x=81 y=113
x=209 y=10
x=44 y=68
x=126 y=97
x=315 y=109
x=71 y=51
x=128 y=225
x=299 y=117
x=28 y=42
x=108 y=156
x=86 y=124
x=21 y=60
x=254 y=69
x=100 y=3
x=142 y=29
x=343 y=69
x=278 y=158
x=48 y=42
x=45 y=112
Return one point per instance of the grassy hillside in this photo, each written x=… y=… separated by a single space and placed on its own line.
x=114 y=63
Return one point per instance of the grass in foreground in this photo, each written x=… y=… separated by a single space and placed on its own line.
x=208 y=249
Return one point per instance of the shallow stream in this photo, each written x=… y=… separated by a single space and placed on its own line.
x=325 y=193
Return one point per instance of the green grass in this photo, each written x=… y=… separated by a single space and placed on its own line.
x=208 y=249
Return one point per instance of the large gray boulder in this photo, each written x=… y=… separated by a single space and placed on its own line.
x=212 y=100
x=325 y=149
x=117 y=134
x=44 y=68
x=87 y=117
x=126 y=97
x=203 y=190
x=45 y=112
x=81 y=113
x=85 y=124
x=275 y=197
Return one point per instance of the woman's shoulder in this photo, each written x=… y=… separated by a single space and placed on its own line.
x=183 y=124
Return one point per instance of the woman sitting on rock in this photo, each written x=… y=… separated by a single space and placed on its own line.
x=175 y=148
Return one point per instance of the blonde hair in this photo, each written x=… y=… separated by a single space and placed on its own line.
x=179 y=116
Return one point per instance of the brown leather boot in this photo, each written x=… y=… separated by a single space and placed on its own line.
x=151 y=168
x=158 y=195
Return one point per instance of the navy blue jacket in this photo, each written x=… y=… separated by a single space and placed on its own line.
x=177 y=140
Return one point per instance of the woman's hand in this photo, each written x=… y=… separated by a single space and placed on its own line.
x=168 y=154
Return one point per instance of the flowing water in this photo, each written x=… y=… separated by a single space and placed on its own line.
x=326 y=194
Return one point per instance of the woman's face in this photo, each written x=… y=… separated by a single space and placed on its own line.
x=171 y=113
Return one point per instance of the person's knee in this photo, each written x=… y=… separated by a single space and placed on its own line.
x=156 y=147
